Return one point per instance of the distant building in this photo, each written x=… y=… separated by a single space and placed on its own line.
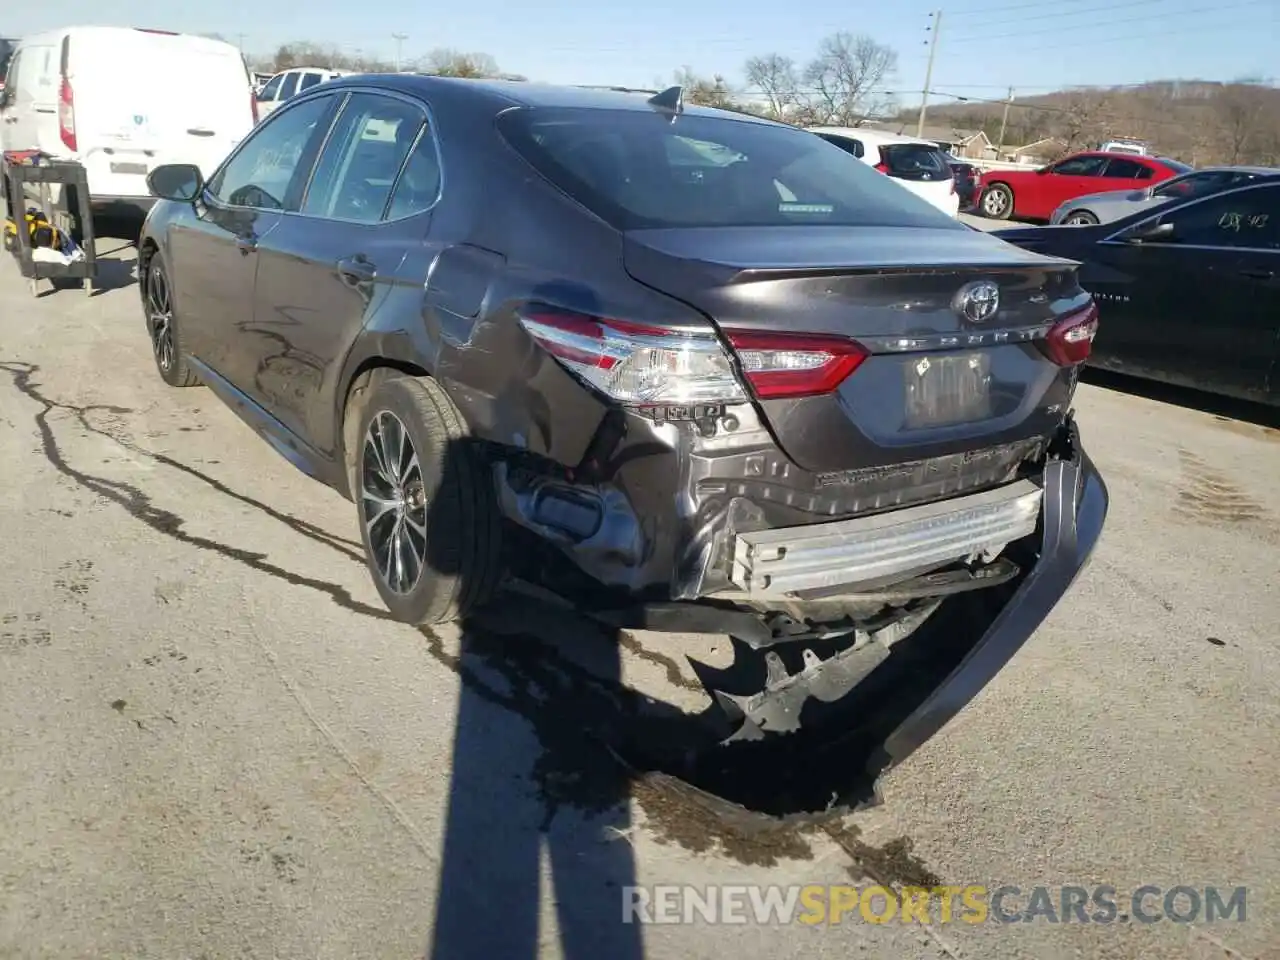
x=1039 y=152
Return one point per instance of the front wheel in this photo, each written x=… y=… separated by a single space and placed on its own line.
x=997 y=202
x=425 y=500
x=162 y=327
x=1081 y=218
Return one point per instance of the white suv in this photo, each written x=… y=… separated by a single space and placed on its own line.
x=293 y=81
x=918 y=165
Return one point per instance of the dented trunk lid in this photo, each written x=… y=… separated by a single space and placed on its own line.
x=937 y=383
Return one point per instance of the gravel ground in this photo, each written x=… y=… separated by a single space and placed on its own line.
x=213 y=744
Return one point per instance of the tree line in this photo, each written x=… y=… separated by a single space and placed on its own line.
x=848 y=79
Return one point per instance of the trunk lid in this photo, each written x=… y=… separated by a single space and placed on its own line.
x=936 y=382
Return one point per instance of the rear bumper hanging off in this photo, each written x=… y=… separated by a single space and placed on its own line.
x=1075 y=509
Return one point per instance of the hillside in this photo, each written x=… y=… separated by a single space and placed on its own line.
x=1196 y=121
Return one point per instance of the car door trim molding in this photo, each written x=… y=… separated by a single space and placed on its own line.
x=1111 y=241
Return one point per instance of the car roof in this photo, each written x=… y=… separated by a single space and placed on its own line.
x=500 y=95
x=881 y=137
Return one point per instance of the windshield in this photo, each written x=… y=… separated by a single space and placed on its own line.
x=6 y=54
x=636 y=169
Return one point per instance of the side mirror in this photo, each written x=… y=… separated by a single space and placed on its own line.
x=1146 y=232
x=176 y=181
x=1042 y=171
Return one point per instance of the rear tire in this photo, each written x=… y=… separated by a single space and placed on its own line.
x=997 y=202
x=163 y=329
x=1081 y=218
x=428 y=514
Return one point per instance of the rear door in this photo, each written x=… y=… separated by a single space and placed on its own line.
x=144 y=99
x=1202 y=305
x=326 y=269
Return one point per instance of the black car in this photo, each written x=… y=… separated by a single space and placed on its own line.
x=967 y=176
x=690 y=369
x=1188 y=293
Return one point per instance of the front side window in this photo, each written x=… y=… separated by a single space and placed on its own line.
x=1242 y=218
x=272 y=88
x=1080 y=167
x=289 y=87
x=268 y=170
x=309 y=80
x=362 y=159
x=637 y=169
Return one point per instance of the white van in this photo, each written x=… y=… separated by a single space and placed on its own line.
x=122 y=101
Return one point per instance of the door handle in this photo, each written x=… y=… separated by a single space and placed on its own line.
x=1258 y=274
x=200 y=131
x=356 y=270
x=247 y=243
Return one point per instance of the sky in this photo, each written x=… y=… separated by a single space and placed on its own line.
x=983 y=46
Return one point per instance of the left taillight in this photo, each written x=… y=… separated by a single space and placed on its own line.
x=67 y=114
x=1070 y=340
x=253 y=104
x=639 y=364
x=636 y=364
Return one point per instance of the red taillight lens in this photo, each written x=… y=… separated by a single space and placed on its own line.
x=781 y=365
x=253 y=104
x=882 y=167
x=1070 y=341
x=635 y=363
x=67 y=114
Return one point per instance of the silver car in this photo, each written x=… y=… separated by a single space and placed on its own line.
x=1114 y=204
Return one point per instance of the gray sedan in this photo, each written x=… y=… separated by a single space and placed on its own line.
x=1114 y=204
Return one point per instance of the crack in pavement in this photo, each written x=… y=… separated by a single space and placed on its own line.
x=138 y=504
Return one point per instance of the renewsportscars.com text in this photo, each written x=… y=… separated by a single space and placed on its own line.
x=823 y=904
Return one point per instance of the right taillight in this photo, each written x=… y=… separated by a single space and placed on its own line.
x=786 y=365
x=67 y=114
x=1070 y=340
x=882 y=167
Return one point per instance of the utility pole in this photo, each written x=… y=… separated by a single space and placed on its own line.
x=1004 y=122
x=240 y=41
x=928 y=73
x=399 y=39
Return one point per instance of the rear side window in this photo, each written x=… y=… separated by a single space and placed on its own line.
x=1127 y=169
x=290 y=86
x=362 y=160
x=915 y=161
x=637 y=170
x=309 y=80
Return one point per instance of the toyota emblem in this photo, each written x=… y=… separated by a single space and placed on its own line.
x=977 y=302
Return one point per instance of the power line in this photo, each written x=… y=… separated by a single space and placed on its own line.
x=1111 y=23
x=1075 y=11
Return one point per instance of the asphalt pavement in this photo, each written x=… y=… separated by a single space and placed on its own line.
x=213 y=743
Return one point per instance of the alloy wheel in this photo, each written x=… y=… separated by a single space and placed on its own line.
x=160 y=318
x=993 y=203
x=393 y=503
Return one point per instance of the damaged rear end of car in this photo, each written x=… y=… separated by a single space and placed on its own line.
x=853 y=431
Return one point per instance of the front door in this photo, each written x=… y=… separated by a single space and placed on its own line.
x=217 y=255
x=1200 y=303
x=1065 y=180
x=326 y=270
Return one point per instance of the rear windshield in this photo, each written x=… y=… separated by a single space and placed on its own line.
x=915 y=161
x=1175 y=165
x=638 y=170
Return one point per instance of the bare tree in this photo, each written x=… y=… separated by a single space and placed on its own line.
x=1238 y=109
x=775 y=78
x=454 y=63
x=713 y=92
x=846 y=78
x=1082 y=117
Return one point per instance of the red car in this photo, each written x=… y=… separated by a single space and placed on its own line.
x=1035 y=194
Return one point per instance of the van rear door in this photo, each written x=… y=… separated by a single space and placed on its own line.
x=143 y=99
